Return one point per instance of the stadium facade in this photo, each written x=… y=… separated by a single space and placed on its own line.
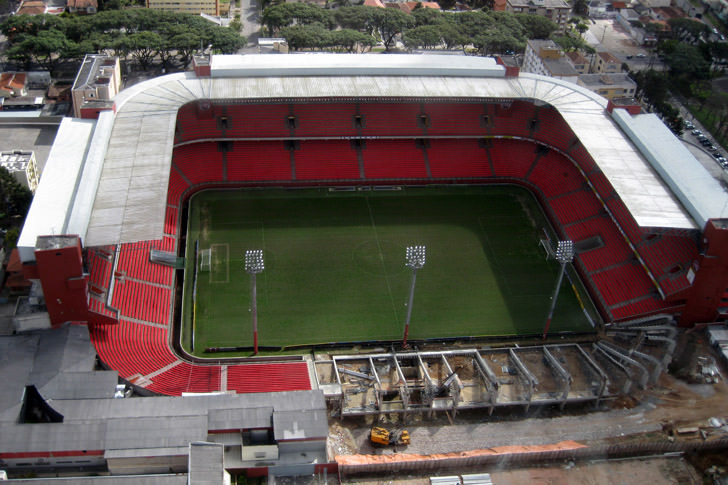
x=649 y=222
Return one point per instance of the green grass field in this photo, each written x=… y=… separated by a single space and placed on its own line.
x=335 y=272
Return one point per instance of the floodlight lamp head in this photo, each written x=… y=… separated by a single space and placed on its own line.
x=565 y=251
x=415 y=256
x=254 y=261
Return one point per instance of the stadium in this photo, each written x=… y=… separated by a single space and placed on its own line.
x=332 y=165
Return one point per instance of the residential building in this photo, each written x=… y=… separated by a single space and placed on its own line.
x=558 y=11
x=13 y=84
x=604 y=62
x=82 y=6
x=32 y=7
x=22 y=166
x=580 y=63
x=610 y=86
x=97 y=82
x=210 y=7
x=546 y=58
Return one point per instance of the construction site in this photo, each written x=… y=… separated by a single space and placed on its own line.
x=631 y=356
x=530 y=413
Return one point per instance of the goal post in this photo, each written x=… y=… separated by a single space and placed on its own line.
x=205 y=259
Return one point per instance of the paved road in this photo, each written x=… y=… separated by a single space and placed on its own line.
x=250 y=18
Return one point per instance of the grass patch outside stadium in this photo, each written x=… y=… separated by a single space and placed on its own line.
x=335 y=267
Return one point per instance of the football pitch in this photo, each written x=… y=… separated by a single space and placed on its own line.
x=335 y=267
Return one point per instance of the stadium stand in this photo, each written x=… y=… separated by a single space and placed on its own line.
x=134 y=263
x=199 y=162
x=607 y=263
x=273 y=377
x=192 y=125
x=512 y=158
x=99 y=261
x=258 y=161
x=446 y=119
x=326 y=160
x=582 y=157
x=622 y=283
x=132 y=349
x=142 y=301
x=325 y=119
x=186 y=377
x=257 y=120
x=556 y=175
x=177 y=186
x=575 y=206
x=512 y=119
x=458 y=158
x=391 y=119
x=613 y=249
x=551 y=128
x=378 y=156
x=170 y=221
x=624 y=219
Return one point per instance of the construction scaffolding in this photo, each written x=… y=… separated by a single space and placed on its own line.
x=450 y=380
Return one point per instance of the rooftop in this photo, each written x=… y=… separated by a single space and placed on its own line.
x=130 y=156
x=608 y=79
x=577 y=57
x=92 y=69
x=15 y=160
x=560 y=67
x=539 y=3
x=607 y=57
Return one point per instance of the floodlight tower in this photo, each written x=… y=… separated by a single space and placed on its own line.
x=564 y=255
x=254 y=265
x=415 y=259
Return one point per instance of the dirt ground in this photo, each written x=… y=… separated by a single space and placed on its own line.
x=648 y=470
x=656 y=413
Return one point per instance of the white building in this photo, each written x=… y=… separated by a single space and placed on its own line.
x=21 y=165
x=614 y=85
x=546 y=58
x=98 y=79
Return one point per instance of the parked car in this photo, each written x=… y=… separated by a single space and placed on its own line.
x=705 y=143
x=696 y=132
x=717 y=155
x=689 y=125
x=712 y=148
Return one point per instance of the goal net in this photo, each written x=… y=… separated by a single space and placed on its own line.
x=205 y=259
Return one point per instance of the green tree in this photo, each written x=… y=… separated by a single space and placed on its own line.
x=427 y=16
x=14 y=199
x=652 y=86
x=351 y=40
x=390 y=22
x=424 y=36
x=282 y=15
x=359 y=18
x=452 y=35
x=227 y=41
x=299 y=37
x=536 y=26
x=580 y=7
x=687 y=61
x=688 y=30
x=46 y=48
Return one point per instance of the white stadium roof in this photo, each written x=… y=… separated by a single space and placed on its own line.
x=136 y=144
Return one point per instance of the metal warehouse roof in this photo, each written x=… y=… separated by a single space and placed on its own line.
x=131 y=195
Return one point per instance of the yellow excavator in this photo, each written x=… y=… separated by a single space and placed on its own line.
x=384 y=437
